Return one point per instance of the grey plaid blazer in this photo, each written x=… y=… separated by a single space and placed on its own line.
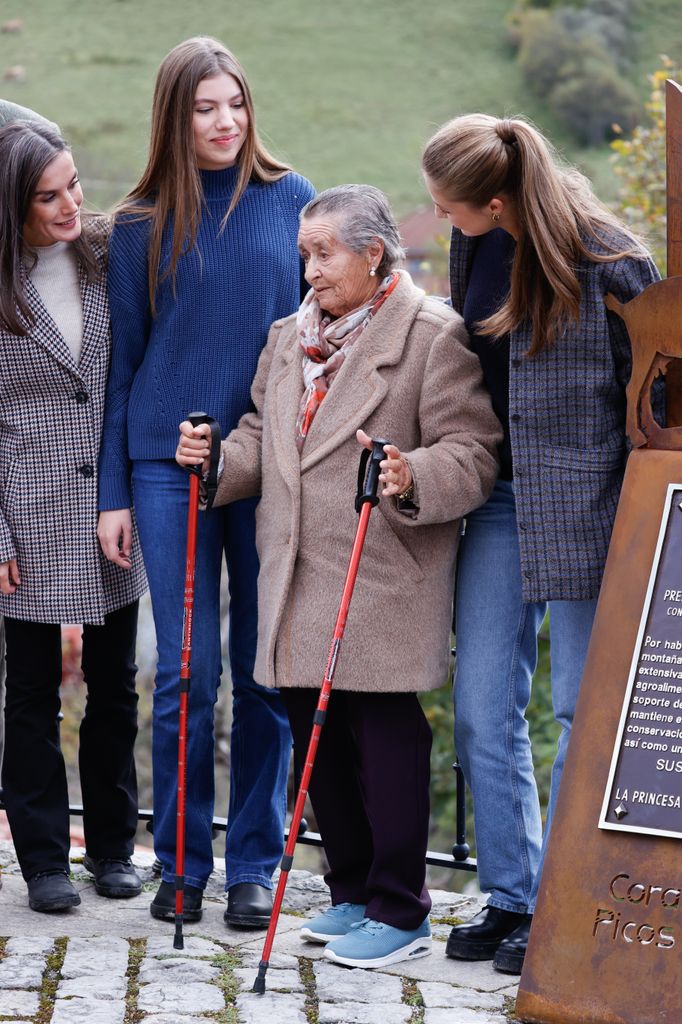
x=50 y=427
x=567 y=426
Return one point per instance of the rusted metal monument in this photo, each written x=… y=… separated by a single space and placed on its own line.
x=606 y=942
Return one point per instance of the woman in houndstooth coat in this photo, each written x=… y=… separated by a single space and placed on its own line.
x=54 y=355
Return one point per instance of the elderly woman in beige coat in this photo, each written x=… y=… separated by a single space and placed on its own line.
x=367 y=349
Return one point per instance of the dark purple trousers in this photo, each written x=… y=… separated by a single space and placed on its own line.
x=370 y=793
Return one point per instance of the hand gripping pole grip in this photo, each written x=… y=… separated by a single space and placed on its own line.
x=196 y=419
x=368 y=476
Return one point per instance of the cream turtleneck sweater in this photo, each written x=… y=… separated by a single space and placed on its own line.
x=55 y=276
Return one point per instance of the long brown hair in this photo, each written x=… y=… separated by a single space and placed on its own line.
x=26 y=149
x=476 y=157
x=171 y=181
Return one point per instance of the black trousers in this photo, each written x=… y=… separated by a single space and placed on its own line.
x=370 y=792
x=34 y=775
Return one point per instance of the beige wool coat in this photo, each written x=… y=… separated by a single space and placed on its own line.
x=409 y=378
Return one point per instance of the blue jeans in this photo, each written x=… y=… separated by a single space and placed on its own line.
x=496 y=634
x=261 y=740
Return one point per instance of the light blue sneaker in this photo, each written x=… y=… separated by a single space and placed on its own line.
x=375 y=944
x=334 y=923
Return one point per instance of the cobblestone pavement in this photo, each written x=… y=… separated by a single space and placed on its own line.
x=109 y=962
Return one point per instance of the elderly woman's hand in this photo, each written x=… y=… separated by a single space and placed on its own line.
x=194 y=445
x=395 y=472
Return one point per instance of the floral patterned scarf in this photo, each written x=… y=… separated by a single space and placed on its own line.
x=326 y=343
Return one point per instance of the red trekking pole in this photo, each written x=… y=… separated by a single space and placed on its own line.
x=365 y=501
x=195 y=418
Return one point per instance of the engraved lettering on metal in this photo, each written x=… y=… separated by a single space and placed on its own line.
x=614 y=924
x=644 y=788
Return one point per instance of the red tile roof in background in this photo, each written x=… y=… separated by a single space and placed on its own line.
x=420 y=229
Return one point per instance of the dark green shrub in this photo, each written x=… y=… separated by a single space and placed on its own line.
x=592 y=98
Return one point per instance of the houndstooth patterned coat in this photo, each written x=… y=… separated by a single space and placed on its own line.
x=50 y=427
x=567 y=426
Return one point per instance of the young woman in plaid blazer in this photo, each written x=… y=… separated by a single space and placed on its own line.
x=533 y=255
x=54 y=354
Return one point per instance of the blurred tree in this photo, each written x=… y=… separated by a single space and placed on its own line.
x=639 y=162
x=612 y=29
x=591 y=96
x=545 y=49
x=575 y=55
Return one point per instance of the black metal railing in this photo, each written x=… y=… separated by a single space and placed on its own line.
x=458 y=859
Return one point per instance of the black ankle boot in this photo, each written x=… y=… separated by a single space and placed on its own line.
x=162 y=906
x=512 y=950
x=115 y=877
x=480 y=937
x=51 y=891
x=249 y=905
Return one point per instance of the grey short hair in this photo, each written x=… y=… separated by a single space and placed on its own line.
x=364 y=215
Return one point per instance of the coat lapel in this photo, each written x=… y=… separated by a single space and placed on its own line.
x=45 y=331
x=95 y=326
x=360 y=386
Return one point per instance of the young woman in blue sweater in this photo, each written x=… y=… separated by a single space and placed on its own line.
x=203 y=259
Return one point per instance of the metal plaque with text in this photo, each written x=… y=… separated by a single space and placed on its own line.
x=644 y=789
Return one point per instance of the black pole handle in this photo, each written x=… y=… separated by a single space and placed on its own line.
x=196 y=419
x=368 y=476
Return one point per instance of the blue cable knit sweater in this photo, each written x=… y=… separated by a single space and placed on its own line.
x=201 y=349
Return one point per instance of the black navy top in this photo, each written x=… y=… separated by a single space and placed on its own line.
x=487 y=288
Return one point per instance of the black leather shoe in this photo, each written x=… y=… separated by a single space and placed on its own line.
x=51 y=891
x=512 y=950
x=162 y=906
x=248 y=906
x=480 y=937
x=115 y=878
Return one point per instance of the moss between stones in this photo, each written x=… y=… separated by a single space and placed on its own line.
x=52 y=975
x=510 y=1007
x=312 y=1003
x=413 y=997
x=136 y=952
x=227 y=962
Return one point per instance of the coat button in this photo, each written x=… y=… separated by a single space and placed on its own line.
x=528 y=573
x=523 y=526
x=515 y=417
x=516 y=363
x=81 y=397
x=87 y=470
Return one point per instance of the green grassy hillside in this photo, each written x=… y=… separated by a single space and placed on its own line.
x=346 y=91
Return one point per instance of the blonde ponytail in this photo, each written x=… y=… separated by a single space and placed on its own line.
x=476 y=157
